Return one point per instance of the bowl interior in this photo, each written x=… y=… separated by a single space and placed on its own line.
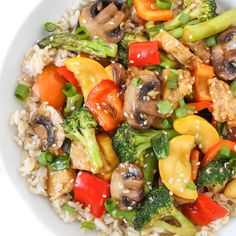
x=27 y=36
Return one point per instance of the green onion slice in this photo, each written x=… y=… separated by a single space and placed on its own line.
x=211 y=41
x=177 y=33
x=69 y=90
x=233 y=87
x=21 y=92
x=88 y=225
x=110 y=205
x=167 y=123
x=46 y=158
x=69 y=208
x=153 y=31
x=164 y=4
x=60 y=163
x=82 y=32
x=184 y=18
x=137 y=82
x=191 y=186
x=172 y=80
x=181 y=112
x=51 y=27
x=164 y=107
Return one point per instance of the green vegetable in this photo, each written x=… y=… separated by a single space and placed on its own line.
x=203 y=10
x=191 y=186
x=158 y=206
x=45 y=158
x=160 y=143
x=69 y=90
x=156 y=69
x=87 y=225
x=211 y=41
x=214 y=176
x=117 y=213
x=222 y=129
x=149 y=169
x=80 y=125
x=130 y=144
x=82 y=32
x=211 y=27
x=21 y=92
x=233 y=87
x=73 y=102
x=124 y=44
x=168 y=63
x=224 y=152
x=164 y=4
x=172 y=80
x=51 y=27
x=167 y=123
x=69 y=208
x=164 y=107
x=155 y=30
x=177 y=33
x=129 y=3
x=137 y=82
x=181 y=112
x=71 y=42
x=60 y=163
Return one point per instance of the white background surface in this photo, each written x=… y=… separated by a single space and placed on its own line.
x=15 y=216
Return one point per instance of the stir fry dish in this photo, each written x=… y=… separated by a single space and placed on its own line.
x=128 y=123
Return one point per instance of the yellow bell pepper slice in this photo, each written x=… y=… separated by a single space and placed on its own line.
x=175 y=169
x=88 y=72
x=205 y=134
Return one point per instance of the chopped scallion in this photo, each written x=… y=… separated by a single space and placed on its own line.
x=233 y=87
x=69 y=90
x=110 y=204
x=45 y=158
x=182 y=103
x=60 y=163
x=51 y=27
x=21 y=92
x=137 y=82
x=168 y=63
x=164 y=107
x=69 y=208
x=177 y=33
x=87 y=225
x=181 y=112
x=153 y=31
x=129 y=3
x=167 y=123
x=172 y=80
x=191 y=186
x=82 y=32
x=211 y=41
x=184 y=18
x=164 y=4
x=224 y=152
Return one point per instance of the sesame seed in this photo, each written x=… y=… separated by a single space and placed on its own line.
x=130 y=208
x=200 y=145
x=198 y=163
x=104 y=195
x=131 y=62
x=171 y=193
x=181 y=190
x=125 y=114
x=138 y=55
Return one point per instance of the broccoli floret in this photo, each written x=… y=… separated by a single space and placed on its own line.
x=214 y=176
x=123 y=46
x=156 y=208
x=80 y=125
x=200 y=11
x=129 y=144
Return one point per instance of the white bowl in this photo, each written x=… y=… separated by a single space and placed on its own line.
x=28 y=35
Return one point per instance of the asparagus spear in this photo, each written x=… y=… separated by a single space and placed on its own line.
x=71 y=42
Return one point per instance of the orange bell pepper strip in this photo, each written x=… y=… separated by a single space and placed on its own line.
x=201 y=105
x=48 y=87
x=147 y=10
x=202 y=74
x=194 y=159
x=212 y=152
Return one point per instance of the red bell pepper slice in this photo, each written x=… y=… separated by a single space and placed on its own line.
x=212 y=152
x=202 y=74
x=106 y=105
x=91 y=191
x=147 y=10
x=204 y=210
x=69 y=76
x=144 y=54
x=201 y=105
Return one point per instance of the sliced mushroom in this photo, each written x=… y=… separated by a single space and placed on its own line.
x=127 y=185
x=46 y=124
x=103 y=21
x=224 y=55
x=140 y=101
x=119 y=73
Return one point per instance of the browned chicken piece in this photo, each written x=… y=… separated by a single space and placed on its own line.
x=200 y=49
x=224 y=103
x=60 y=182
x=80 y=159
x=177 y=50
x=185 y=87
